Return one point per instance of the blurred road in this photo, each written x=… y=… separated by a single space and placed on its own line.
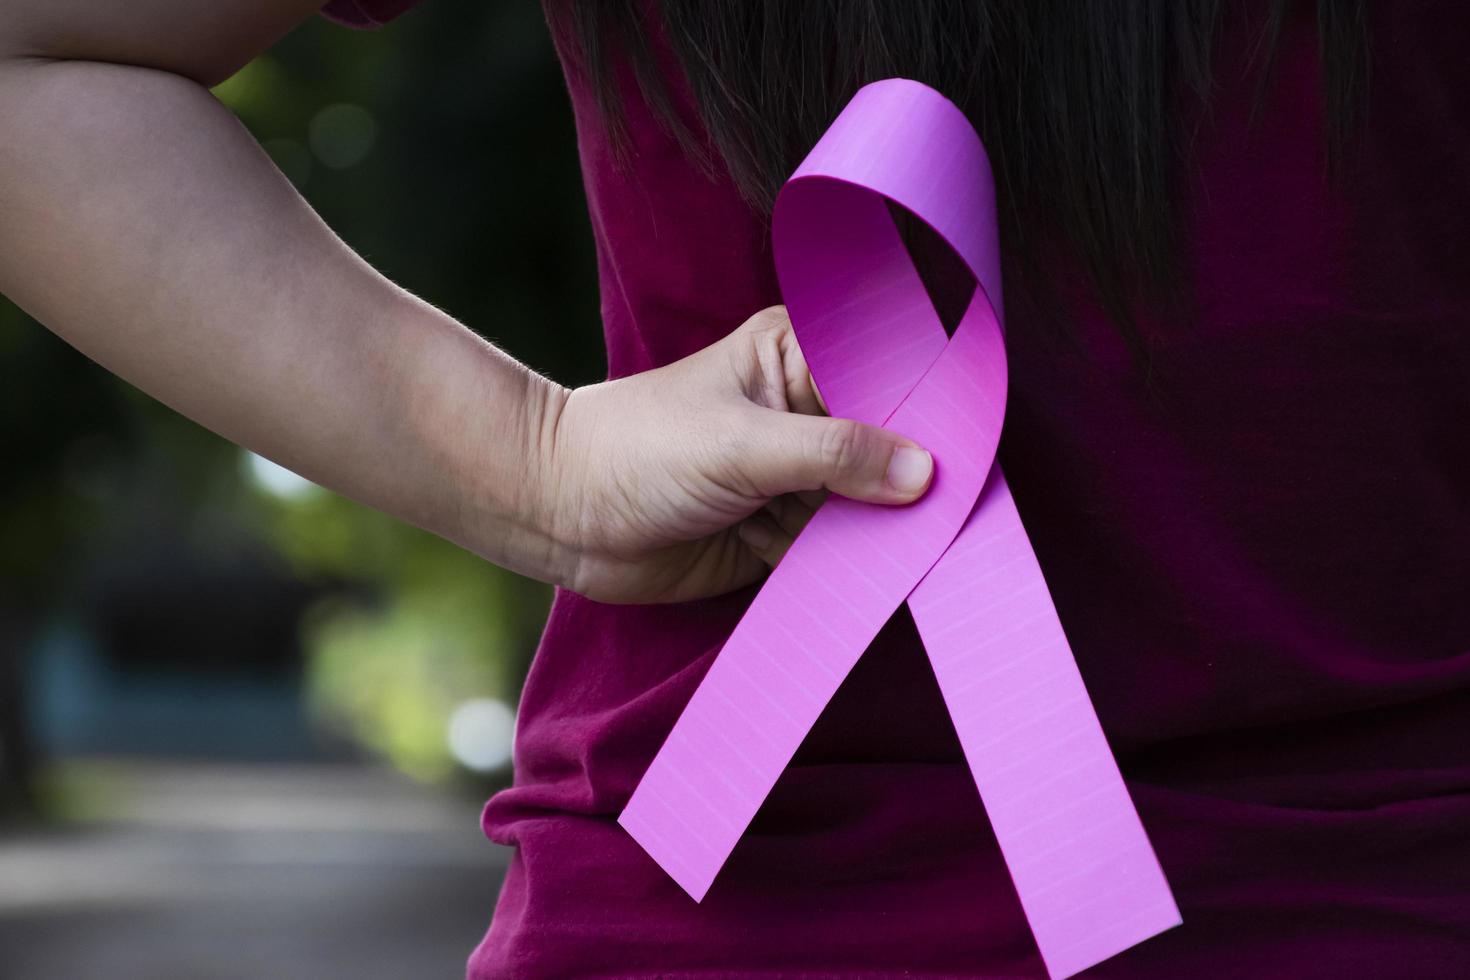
x=213 y=872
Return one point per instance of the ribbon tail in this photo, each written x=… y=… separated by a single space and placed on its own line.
x=1081 y=862
x=764 y=691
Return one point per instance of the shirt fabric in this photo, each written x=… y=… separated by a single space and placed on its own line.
x=1261 y=558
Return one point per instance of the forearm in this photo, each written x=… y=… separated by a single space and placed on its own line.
x=139 y=221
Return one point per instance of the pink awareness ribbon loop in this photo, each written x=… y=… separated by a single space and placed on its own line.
x=1082 y=865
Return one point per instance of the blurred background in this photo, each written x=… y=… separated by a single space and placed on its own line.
x=246 y=726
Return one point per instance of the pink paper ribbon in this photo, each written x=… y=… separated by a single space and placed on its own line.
x=1081 y=863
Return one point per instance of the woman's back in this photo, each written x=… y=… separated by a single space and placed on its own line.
x=1259 y=552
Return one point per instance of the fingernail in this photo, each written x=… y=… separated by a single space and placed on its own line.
x=909 y=469
x=754 y=534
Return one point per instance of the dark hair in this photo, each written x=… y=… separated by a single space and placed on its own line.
x=1081 y=103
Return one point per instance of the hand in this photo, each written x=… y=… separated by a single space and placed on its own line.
x=692 y=479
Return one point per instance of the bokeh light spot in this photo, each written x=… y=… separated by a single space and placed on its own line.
x=480 y=734
x=342 y=135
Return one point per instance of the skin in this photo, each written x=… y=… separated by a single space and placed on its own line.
x=141 y=222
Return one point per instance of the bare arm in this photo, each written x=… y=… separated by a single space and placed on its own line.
x=141 y=222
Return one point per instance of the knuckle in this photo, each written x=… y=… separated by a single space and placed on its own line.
x=771 y=320
x=762 y=350
x=840 y=450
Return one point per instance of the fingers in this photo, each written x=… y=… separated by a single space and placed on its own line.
x=771 y=352
x=812 y=499
x=789 y=453
x=764 y=537
x=801 y=389
x=791 y=512
x=799 y=449
x=822 y=408
x=771 y=531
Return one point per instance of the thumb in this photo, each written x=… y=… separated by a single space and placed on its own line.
x=864 y=462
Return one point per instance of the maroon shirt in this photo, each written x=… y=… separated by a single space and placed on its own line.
x=1263 y=564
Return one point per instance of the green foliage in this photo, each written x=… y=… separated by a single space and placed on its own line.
x=437 y=627
x=459 y=180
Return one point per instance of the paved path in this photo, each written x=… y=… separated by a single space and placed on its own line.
x=255 y=871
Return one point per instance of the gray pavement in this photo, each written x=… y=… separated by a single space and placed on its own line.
x=213 y=872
